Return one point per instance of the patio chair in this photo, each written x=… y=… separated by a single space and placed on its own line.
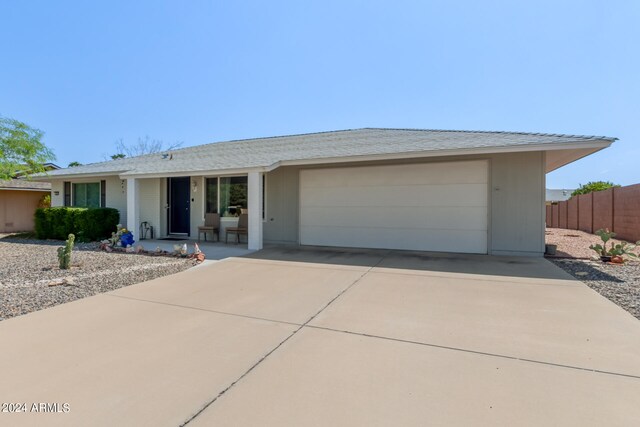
x=211 y=224
x=242 y=228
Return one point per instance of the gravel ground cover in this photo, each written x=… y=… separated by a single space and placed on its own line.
x=28 y=267
x=573 y=243
x=618 y=283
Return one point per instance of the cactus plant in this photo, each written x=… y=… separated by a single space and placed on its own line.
x=616 y=249
x=64 y=254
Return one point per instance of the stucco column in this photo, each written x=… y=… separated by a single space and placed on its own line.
x=254 y=205
x=133 y=206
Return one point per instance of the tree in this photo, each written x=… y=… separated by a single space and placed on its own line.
x=21 y=149
x=74 y=164
x=590 y=187
x=143 y=146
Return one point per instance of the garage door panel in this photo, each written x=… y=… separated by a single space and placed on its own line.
x=429 y=206
x=417 y=174
x=388 y=238
x=434 y=217
x=401 y=195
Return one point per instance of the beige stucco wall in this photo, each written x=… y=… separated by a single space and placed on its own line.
x=17 y=208
x=150 y=204
x=282 y=205
x=517 y=204
x=516 y=200
x=197 y=205
x=516 y=193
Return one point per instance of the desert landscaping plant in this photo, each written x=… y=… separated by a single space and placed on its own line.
x=64 y=253
x=618 y=250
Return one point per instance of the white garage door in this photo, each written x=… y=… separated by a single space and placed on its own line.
x=432 y=207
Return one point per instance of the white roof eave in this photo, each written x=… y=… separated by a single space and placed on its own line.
x=595 y=144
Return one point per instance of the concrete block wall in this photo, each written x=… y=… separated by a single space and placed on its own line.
x=572 y=213
x=617 y=209
x=603 y=209
x=562 y=215
x=626 y=212
x=554 y=216
x=585 y=212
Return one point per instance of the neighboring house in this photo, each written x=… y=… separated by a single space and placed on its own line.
x=432 y=190
x=555 y=196
x=19 y=199
x=46 y=166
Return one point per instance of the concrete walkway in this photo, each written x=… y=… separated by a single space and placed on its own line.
x=326 y=337
x=212 y=250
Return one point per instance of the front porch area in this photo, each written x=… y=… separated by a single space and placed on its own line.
x=176 y=206
x=212 y=250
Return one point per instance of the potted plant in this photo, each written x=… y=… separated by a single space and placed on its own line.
x=616 y=251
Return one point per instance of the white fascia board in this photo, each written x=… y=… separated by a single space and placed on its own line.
x=47 y=178
x=212 y=172
x=596 y=144
x=124 y=174
x=41 y=190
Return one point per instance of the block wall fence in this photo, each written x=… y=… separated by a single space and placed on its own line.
x=617 y=209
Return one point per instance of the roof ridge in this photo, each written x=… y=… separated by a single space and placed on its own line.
x=231 y=141
x=269 y=137
x=564 y=135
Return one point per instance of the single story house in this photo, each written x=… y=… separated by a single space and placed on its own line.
x=431 y=190
x=19 y=199
x=558 y=195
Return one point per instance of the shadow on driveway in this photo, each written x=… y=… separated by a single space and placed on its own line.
x=508 y=266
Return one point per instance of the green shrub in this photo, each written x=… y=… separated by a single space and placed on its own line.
x=88 y=224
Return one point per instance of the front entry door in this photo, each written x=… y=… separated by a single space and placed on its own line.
x=179 y=193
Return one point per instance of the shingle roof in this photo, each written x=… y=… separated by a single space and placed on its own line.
x=265 y=152
x=22 y=184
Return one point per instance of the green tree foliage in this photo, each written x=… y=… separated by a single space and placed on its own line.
x=590 y=187
x=74 y=164
x=21 y=149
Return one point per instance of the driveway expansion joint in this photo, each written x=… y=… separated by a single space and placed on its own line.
x=263 y=358
x=188 y=307
x=477 y=352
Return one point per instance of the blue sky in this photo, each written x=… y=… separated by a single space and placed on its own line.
x=89 y=73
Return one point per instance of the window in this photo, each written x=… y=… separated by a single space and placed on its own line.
x=233 y=195
x=211 y=192
x=87 y=195
x=228 y=195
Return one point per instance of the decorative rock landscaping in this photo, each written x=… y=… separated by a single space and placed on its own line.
x=618 y=283
x=31 y=280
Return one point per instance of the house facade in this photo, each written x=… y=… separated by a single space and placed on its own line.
x=446 y=191
x=19 y=200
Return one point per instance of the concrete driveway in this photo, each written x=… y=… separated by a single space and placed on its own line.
x=331 y=337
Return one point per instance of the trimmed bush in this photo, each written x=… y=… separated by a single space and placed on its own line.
x=88 y=224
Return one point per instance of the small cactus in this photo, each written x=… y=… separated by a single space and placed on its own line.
x=64 y=254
